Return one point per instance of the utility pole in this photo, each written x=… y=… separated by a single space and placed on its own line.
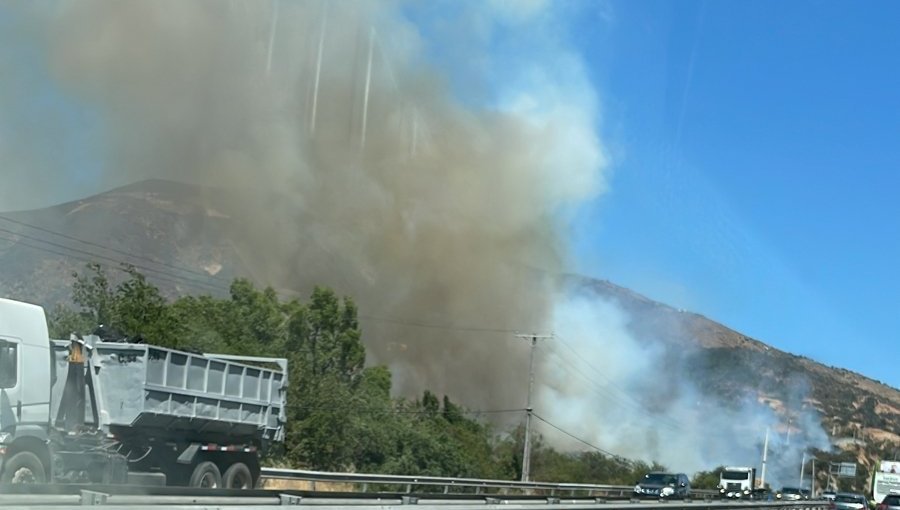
x=802 y=468
x=812 y=486
x=526 y=453
x=762 y=474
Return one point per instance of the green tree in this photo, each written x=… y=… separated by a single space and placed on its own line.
x=138 y=309
x=132 y=308
x=62 y=321
x=707 y=480
x=327 y=358
x=93 y=293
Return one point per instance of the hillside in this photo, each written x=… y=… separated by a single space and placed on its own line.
x=172 y=231
x=183 y=237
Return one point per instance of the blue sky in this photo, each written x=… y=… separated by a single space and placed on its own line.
x=754 y=157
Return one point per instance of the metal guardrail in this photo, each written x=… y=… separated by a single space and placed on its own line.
x=529 y=496
x=200 y=499
x=448 y=485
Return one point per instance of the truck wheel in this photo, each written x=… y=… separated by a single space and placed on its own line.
x=238 y=476
x=206 y=475
x=23 y=467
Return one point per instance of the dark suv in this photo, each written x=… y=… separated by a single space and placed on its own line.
x=849 y=501
x=890 y=502
x=663 y=485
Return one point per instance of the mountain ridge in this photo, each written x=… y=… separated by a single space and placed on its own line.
x=185 y=234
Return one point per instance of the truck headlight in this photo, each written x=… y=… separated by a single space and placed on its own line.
x=667 y=491
x=637 y=488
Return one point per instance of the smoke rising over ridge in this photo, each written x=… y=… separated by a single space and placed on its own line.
x=420 y=170
x=427 y=194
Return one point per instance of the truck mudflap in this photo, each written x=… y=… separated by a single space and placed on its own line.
x=146 y=479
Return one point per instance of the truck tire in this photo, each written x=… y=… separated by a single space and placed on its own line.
x=237 y=476
x=206 y=475
x=23 y=467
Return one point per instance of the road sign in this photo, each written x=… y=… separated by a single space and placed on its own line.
x=846 y=469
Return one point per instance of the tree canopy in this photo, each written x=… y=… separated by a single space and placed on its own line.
x=341 y=412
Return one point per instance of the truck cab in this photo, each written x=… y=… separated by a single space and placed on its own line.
x=737 y=482
x=25 y=381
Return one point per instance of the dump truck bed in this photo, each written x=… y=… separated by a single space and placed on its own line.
x=141 y=387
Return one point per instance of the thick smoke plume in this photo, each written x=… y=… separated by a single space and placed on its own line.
x=413 y=165
x=429 y=195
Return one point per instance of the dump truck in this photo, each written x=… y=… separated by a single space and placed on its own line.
x=90 y=410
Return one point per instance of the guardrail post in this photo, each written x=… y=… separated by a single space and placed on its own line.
x=91 y=498
x=289 y=499
x=409 y=500
x=408 y=488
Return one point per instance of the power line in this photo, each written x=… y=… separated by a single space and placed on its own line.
x=600 y=389
x=632 y=403
x=175 y=279
x=609 y=382
x=582 y=441
x=577 y=356
x=115 y=250
x=390 y=320
x=623 y=400
x=110 y=259
x=90 y=261
x=417 y=324
x=376 y=410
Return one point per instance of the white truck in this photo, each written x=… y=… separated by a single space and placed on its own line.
x=90 y=411
x=886 y=480
x=737 y=482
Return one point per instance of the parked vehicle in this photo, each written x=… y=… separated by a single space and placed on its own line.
x=890 y=502
x=92 y=411
x=849 y=501
x=663 y=485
